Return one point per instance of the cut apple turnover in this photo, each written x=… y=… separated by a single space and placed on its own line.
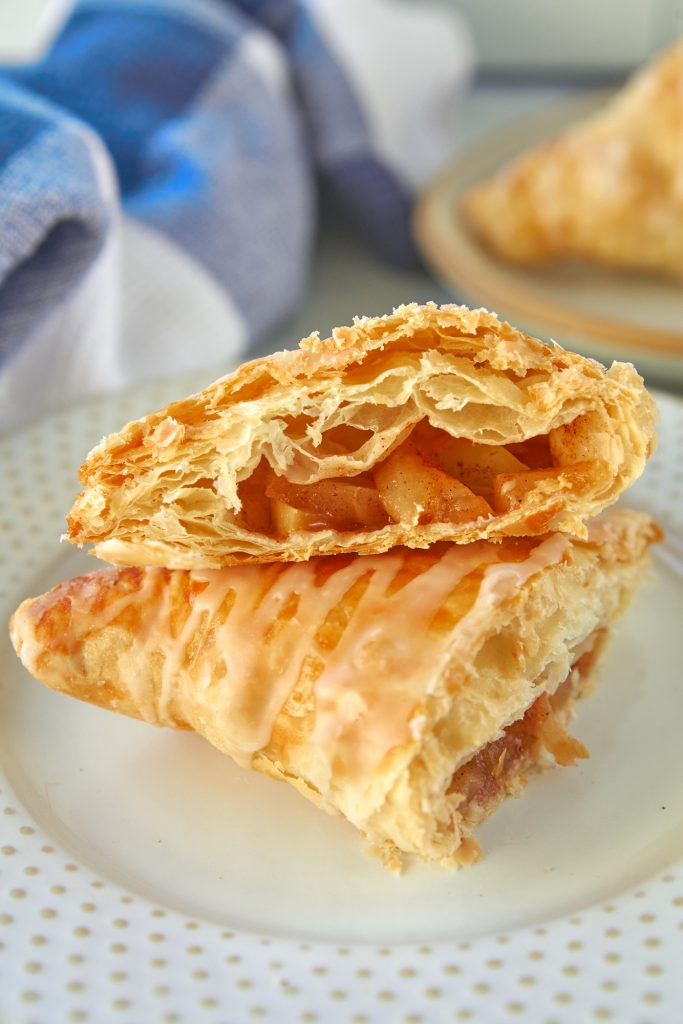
x=409 y=691
x=433 y=423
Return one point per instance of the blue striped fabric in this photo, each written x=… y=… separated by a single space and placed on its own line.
x=208 y=148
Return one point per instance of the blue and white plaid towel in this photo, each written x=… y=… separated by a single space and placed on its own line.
x=158 y=174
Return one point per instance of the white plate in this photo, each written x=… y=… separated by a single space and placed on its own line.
x=146 y=878
x=609 y=315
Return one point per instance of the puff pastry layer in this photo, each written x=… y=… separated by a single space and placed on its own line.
x=608 y=190
x=408 y=691
x=433 y=423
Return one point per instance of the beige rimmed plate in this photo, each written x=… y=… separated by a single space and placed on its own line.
x=608 y=315
x=146 y=878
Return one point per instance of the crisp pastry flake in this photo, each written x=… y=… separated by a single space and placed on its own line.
x=429 y=424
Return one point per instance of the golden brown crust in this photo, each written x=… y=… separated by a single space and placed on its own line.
x=364 y=682
x=165 y=490
x=608 y=190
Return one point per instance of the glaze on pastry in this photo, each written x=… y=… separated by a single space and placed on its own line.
x=408 y=691
x=430 y=424
x=608 y=190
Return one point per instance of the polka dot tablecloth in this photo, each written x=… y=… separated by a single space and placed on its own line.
x=88 y=934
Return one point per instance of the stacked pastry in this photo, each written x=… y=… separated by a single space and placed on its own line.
x=371 y=567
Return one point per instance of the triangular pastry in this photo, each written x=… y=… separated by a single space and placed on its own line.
x=408 y=691
x=432 y=423
x=608 y=190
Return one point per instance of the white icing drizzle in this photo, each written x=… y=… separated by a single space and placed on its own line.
x=369 y=688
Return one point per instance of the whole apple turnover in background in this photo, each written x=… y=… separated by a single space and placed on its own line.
x=608 y=190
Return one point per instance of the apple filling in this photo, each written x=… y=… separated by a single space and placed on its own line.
x=431 y=477
x=499 y=766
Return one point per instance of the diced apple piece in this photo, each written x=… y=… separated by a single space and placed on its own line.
x=288 y=520
x=510 y=490
x=337 y=504
x=473 y=464
x=413 y=491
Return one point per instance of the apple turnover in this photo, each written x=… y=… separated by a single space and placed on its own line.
x=430 y=424
x=608 y=190
x=408 y=691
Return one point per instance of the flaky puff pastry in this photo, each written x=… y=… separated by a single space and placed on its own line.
x=432 y=423
x=608 y=190
x=407 y=691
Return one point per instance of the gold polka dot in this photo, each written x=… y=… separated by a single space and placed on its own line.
x=120 y=1004
x=481 y=988
x=31 y=871
x=10 y=811
x=158 y=913
x=171 y=1018
x=120 y=922
x=647 y=918
x=26 y=830
x=38 y=940
x=651 y=998
x=451 y=969
x=433 y=992
x=244 y=983
x=653 y=969
x=602 y=1013
x=75 y=958
x=385 y=996
x=608 y=908
x=161 y=990
x=363 y=972
x=536 y=954
x=126 y=899
x=47 y=849
x=611 y=958
x=158 y=961
x=156 y=937
x=338 y=995
x=668 y=878
x=9 y=850
x=77 y=1016
x=678 y=901
x=6 y=919
x=539 y=931
x=33 y=967
x=575 y=945
x=194 y=950
x=117 y=976
x=515 y=1008
x=571 y=970
x=613 y=933
x=192 y=926
x=48 y=912
x=58 y=890
x=30 y=996
x=118 y=947
x=407 y=972
x=209 y=1001
x=563 y=998
x=424 y=950
x=71 y=867
x=288 y=990
x=18 y=894
x=463 y=1015
x=74 y=986
x=276 y=965
x=652 y=943
x=308 y=1017
x=494 y=964
x=359 y=1018
x=97 y=885
x=234 y=959
x=201 y=975
x=527 y=980
x=227 y=935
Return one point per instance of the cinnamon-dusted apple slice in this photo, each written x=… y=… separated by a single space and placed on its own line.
x=408 y=691
x=332 y=448
x=608 y=190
